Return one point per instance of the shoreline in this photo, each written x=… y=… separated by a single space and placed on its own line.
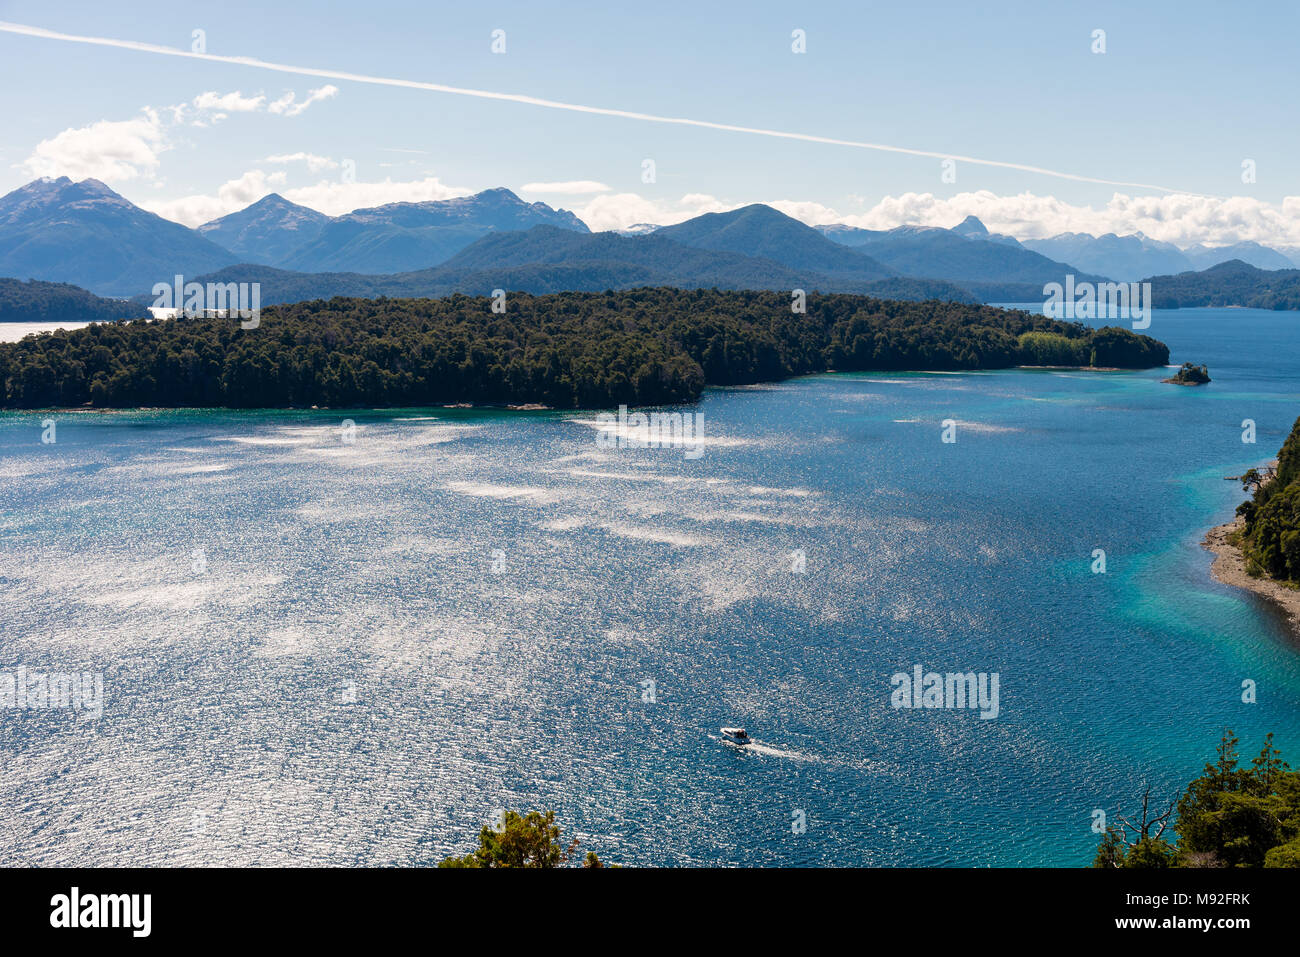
x=1229 y=568
x=88 y=409
x=1083 y=368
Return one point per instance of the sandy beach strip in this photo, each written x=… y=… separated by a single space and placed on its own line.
x=1230 y=568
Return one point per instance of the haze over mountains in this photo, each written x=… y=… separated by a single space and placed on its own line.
x=952 y=255
x=86 y=234
x=1131 y=257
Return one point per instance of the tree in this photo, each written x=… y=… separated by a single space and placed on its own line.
x=1270 y=534
x=1267 y=769
x=1284 y=855
x=529 y=841
x=1230 y=816
x=1145 y=846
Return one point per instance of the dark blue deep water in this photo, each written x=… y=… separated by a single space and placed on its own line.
x=496 y=591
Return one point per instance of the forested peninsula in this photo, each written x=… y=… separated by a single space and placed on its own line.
x=565 y=350
x=1271 y=519
x=1260 y=550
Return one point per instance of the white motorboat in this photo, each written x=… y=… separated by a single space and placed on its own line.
x=735 y=735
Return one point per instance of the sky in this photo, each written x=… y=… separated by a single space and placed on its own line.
x=1190 y=107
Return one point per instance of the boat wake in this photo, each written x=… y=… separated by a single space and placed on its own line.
x=758 y=747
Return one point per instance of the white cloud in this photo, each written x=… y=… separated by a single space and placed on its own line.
x=231 y=196
x=1178 y=218
x=234 y=102
x=211 y=107
x=805 y=211
x=119 y=150
x=109 y=150
x=288 y=107
x=575 y=187
x=620 y=210
x=331 y=198
x=335 y=198
x=314 y=163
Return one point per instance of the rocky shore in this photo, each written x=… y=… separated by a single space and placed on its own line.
x=1230 y=568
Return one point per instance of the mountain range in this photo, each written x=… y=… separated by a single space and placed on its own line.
x=964 y=254
x=1128 y=258
x=86 y=234
x=398 y=237
x=548 y=259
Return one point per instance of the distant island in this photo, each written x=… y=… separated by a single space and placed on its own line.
x=1260 y=549
x=37 y=301
x=644 y=346
x=1232 y=283
x=1190 y=374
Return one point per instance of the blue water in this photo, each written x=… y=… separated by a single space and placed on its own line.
x=496 y=589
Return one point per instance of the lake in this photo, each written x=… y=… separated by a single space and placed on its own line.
x=348 y=644
x=13 y=331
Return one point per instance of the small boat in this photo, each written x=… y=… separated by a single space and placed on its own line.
x=735 y=735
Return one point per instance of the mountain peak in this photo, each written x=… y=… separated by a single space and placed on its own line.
x=273 y=203
x=497 y=208
x=971 y=228
x=105 y=243
x=50 y=193
x=95 y=186
x=759 y=230
x=269 y=228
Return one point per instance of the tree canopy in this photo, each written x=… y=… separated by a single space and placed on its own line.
x=644 y=346
x=1230 y=816
x=37 y=301
x=531 y=840
x=1270 y=533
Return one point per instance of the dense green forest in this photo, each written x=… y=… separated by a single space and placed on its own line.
x=1230 y=816
x=566 y=350
x=36 y=301
x=1270 y=534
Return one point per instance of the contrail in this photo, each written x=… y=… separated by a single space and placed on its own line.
x=139 y=47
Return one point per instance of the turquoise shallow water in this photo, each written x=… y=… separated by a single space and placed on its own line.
x=495 y=591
